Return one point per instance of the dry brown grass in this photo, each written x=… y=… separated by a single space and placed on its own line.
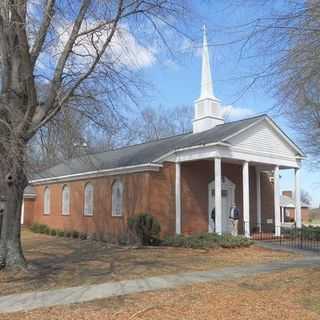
x=59 y=262
x=292 y=295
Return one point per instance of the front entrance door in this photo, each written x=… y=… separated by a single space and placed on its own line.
x=228 y=199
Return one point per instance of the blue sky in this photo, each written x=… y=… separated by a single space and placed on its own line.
x=177 y=81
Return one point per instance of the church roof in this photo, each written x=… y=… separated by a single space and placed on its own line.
x=146 y=153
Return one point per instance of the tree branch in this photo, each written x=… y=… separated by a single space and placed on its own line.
x=57 y=79
x=97 y=59
x=43 y=30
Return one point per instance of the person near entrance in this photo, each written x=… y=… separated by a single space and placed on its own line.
x=234 y=217
x=213 y=218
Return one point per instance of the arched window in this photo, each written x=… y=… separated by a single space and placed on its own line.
x=46 y=201
x=117 y=198
x=65 y=200
x=88 y=200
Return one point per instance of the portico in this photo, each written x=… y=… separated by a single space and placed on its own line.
x=219 y=183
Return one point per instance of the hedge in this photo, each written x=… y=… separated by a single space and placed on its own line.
x=207 y=240
x=44 y=229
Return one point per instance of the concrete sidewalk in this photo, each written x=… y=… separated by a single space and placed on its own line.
x=35 y=300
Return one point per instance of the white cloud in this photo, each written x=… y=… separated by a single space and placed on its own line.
x=130 y=52
x=189 y=46
x=236 y=113
x=124 y=49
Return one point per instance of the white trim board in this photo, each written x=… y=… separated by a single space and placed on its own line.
x=235 y=154
x=99 y=173
x=29 y=196
x=167 y=156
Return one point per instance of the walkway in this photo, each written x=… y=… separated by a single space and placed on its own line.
x=34 y=300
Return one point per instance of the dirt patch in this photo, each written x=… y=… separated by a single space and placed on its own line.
x=59 y=262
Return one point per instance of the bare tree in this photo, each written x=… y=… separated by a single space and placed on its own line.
x=306 y=197
x=158 y=122
x=282 y=40
x=60 y=139
x=72 y=134
x=68 y=47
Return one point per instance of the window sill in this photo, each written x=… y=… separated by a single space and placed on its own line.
x=113 y=216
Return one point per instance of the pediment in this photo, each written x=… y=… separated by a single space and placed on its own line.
x=264 y=137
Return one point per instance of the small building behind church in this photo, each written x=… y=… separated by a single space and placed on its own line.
x=288 y=209
x=189 y=182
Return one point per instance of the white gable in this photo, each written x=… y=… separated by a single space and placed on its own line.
x=262 y=137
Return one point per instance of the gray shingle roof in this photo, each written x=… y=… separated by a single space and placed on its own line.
x=145 y=152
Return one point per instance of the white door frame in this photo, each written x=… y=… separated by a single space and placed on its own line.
x=227 y=185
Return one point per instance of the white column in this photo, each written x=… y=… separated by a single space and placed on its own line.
x=282 y=215
x=258 y=188
x=276 y=186
x=246 y=198
x=22 y=212
x=178 y=198
x=298 y=198
x=217 y=195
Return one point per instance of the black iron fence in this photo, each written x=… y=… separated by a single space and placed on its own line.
x=307 y=237
x=288 y=235
x=302 y=238
x=264 y=231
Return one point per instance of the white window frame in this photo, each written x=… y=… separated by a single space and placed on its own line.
x=117 y=202
x=46 y=201
x=88 y=203
x=65 y=203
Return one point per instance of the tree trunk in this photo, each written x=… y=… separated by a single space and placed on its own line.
x=12 y=187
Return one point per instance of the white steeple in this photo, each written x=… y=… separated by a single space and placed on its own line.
x=206 y=80
x=207 y=107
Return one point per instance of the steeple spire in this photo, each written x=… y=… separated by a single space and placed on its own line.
x=206 y=79
x=207 y=113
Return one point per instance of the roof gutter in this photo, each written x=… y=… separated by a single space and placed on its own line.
x=29 y=196
x=99 y=173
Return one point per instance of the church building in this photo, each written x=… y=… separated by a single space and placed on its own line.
x=181 y=180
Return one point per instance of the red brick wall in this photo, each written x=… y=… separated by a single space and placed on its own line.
x=305 y=214
x=28 y=211
x=195 y=177
x=287 y=193
x=267 y=199
x=102 y=222
x=152 y=192
x=161 y=197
